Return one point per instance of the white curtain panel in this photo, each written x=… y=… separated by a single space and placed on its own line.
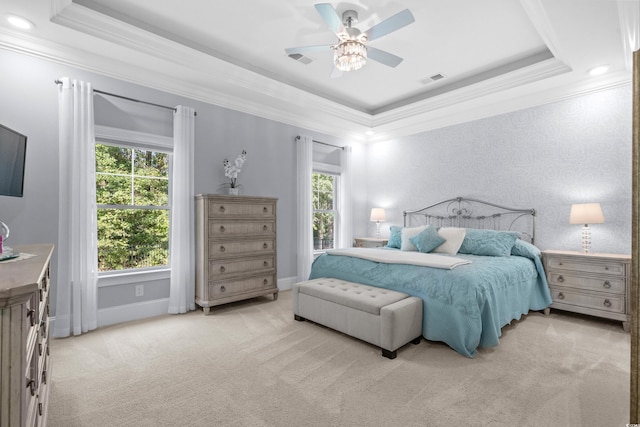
x=304 y=150
x=182 y=239
x=345 y=232
x=76 y=288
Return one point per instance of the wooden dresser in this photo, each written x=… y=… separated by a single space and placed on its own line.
x=597 y=284
x=235 y=249
x=24 y=338
x=370 y=242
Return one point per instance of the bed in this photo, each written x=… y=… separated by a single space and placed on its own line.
x=495 y=275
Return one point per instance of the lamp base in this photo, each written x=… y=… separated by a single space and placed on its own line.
x=377 y=229
x=586 y=238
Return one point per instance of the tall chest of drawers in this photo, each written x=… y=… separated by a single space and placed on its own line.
x=597 y=284
x=24 y=338
x=235 y=249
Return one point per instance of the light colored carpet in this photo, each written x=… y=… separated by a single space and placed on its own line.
x=251 y=364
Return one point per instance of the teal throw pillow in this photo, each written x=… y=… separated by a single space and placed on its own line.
x=488 y=242
x=395 y=239
x=525 y=249
x=427 y=240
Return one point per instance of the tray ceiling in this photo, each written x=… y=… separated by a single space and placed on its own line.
x=493 y=56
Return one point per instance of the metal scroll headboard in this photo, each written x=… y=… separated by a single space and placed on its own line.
x=473 y=213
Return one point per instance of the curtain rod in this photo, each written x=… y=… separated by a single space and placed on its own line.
x=129 y=99
x=323 y=143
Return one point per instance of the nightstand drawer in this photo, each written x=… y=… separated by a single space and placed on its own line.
x=611 y=303
x=612 y=284
x=608 y=267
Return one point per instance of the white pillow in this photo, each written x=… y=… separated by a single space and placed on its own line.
x=408 y=233
x=454 y=236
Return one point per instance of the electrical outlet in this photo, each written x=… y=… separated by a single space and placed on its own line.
x=139 y=290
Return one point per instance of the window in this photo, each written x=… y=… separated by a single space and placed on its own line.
x=132 y=192
x=325 y=216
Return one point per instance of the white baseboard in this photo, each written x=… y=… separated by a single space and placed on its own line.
x=136 y=311
x=158 y=307
x=286 y=283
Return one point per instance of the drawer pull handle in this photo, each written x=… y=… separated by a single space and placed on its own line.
x=40 y=409
x=221 y=209
x=222 y=288
x=264 y=245
x=265 y=228
x=222 y=248
x=39 y=349
x=44 y=376
x=31 y=314
x=41 y=297
x=606 y=268
x=606 y=284
x=607 y=303
x=265 y=209
x=31 y=385
x=265 y=263
x=222 y=269
x=265 y=282
x=560 y=279
x=560 y=295
x=222 y=228
x=559 y=263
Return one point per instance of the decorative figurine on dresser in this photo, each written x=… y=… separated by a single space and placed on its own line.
x=235 y=249
x=24 y=335
x=596 y=284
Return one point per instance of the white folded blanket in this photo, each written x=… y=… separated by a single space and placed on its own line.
x=402 y=257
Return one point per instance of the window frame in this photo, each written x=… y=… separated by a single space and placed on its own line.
x=335 y=171
x=141 y=141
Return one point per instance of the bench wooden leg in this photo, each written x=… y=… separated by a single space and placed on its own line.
x=389 y=354
x=299 y=318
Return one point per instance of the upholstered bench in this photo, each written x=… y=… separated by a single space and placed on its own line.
x=382 y=317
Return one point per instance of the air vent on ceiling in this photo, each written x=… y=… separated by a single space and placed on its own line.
x=432 y=79
x=300 y=58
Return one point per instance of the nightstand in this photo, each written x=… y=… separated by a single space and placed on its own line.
x=370 y=242
x=597 y=284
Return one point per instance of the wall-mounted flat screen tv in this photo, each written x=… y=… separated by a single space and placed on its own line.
x=13 y=151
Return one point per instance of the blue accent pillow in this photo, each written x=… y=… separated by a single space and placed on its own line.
x=427 y=240
x=525 y=249
x=395 y=239
x=488 y=242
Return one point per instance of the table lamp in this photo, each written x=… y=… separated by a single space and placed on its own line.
x=586 y=213
x=377 y=215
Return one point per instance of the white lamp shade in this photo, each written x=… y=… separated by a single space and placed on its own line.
x=586 y=213
x=378 y=214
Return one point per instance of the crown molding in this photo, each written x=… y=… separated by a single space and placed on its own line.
x=177 y=69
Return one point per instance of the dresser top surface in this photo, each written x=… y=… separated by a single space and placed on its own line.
x=22 y=276
x=594 y=255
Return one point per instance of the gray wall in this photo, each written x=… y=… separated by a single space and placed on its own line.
x=547 y=158
x=30 y=106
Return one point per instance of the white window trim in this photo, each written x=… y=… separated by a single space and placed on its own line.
x=128 y=138
x=329 y=169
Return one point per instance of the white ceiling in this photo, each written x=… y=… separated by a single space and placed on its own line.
x=496 y=55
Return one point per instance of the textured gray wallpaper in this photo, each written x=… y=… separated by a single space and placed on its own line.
x=547 y=157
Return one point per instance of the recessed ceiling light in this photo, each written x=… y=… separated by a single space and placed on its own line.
x=599 y=70
x=19 y=22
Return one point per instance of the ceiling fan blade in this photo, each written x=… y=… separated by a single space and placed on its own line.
x=336 y=73
x=303 y=49
x=330 y=16
x=383 y=57
x=389 y=25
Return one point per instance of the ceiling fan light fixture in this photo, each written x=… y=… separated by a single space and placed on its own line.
x=349 y=55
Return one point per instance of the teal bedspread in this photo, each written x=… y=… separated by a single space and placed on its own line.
x=466 y=307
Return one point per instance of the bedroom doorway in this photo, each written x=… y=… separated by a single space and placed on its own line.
x=635 y=249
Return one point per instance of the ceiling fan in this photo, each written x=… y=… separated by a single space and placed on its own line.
x=351 y=51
